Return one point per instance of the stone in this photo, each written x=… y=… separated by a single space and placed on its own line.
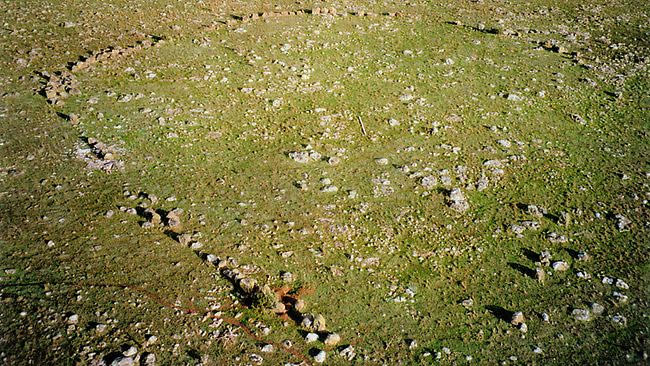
x=458 y=201
x=300 y=156
x=348 y=353
x=429 y=181
x=320 y=357
x=622 y=222
x=540 y=275
x=621 y=284
x=248 y=285
x=545 y=258
x=153 y=217
x=311 y=337
x=268 y=348
x=123 y=361
x=468 y=303
x=148 y=359
x=330 y=189
x=174 y=220
x=299 y=305
x=130 y=351
x=581 y=314
x=332 y=339
x=597 y=309
x=381 y=161
x=517 y=318
x=319 y=323
x=560 y=266
x=333 y=161
x=523 y=327
x=185 y=239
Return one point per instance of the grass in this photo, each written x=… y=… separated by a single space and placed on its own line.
x=386 y=267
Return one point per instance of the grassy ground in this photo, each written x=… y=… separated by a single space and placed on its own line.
x=207 y=121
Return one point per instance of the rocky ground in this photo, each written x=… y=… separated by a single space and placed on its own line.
x=455 y=182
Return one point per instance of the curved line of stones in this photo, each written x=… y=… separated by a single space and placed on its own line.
x=61 y=84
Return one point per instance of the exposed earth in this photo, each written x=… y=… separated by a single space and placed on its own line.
x=287 y=183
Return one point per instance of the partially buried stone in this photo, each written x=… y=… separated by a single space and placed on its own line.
x=320 y=357
x=581 y=314
x=319 y=323
x=332 y=340
x=517 y=318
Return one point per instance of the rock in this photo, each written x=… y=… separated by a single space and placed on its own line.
x=381 y=161
x=195 y=245
x=153 y=217
x=73 y=319
x=619 y=319
x=546 y=318
x=300 y=156
x=597 y=309
x=123 y=361
x=458 y=201
x=514 y=97
x=148 y=359
x=307 y=321
x=429 y=181
x=622 y=222
x=560 y=266
x=299 y=305
x=330 y=189
x=468 y=303
x=523 y=327
x=517 y=318
x=248 y=285
x=621 y=284
x=174 y=219
x=320 y=357
x=582 y=256
x=333 y=161
x=620 y=297
x=332 y=339
x=393 y=122
x=130 y=351
x=268 y=348
x=185 y=239
x=319 y=323
x=545 y=258
x=348 y=353
x=311 y=337
x=581 y=314
x=540 y=275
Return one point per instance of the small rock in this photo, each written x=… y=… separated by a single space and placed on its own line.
x=332 y=339
x=540 y=275
x=597 y=309
x=621 y=284
x=560 y=266
x=122 y=361
x=581 y=314
x=517 y=318
x=468 y=303
x=248 y=285
x=546 y=318
x=130 y=351
x=319 y=323
x=545 y=258
x=268 y=348
x=381 y=161
x=619 y=319
x=320 y=357
x=73 y=319
x=311 y=337
x=523 y=327
x=348 y=353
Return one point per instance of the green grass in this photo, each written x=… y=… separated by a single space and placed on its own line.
x=238 y=187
